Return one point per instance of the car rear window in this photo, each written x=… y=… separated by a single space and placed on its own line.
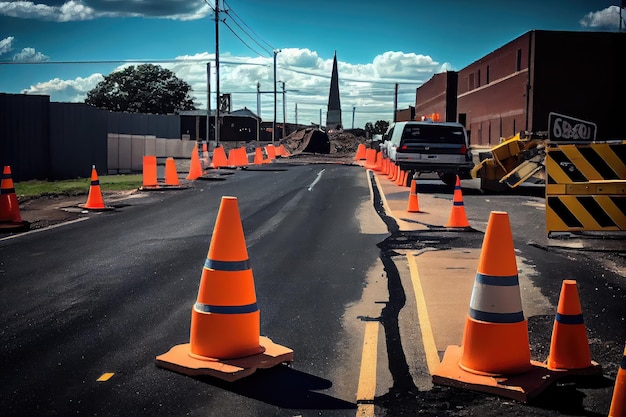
x=432 y=134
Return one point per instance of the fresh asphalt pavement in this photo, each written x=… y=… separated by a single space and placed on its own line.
x=334 y=254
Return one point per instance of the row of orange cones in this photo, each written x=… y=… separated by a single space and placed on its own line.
x=495 y=355
x=237 y=157
x=376 y=162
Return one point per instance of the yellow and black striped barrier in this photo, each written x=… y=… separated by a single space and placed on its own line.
x=586 y=187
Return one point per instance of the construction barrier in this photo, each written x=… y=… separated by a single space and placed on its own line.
x=586 y=187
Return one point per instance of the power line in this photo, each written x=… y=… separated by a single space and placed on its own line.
x=238 y=37
x=244 y=23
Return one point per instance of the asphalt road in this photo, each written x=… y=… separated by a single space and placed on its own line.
x=101 y=298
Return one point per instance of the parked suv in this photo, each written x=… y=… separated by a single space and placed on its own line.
x=439 y=147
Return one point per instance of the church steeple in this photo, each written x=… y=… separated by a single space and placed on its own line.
x=333 y=116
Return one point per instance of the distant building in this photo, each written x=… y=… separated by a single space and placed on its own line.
x=333 y=115
x=515 y=88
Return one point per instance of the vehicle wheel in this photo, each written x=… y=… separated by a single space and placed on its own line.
x=449 y=178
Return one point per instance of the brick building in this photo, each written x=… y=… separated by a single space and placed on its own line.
x=515 y=87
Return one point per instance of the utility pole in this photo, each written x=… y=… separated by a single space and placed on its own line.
x=296 y=115
x=284 y=111
x=258 y=99
x=217 y=73
x=208 y=103
x=276 y=51
x=395 y=104
x=353 y=110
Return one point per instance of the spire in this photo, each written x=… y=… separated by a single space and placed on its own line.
x=333 y=98
x=333 y=116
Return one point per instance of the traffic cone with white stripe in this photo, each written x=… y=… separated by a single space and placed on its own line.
x=569 y=346
x=10 y=217
x=618 y=402
x=495 y=340
x=494 y=355
x=225 y=339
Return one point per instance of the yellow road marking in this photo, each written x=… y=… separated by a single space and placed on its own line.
x=428 y=339
x=105 y=377
x=366 y=390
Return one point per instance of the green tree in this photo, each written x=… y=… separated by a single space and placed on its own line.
x=146 y=88
x=369 y=129
x=381 y=127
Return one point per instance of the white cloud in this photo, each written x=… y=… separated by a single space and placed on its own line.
x=366 y=89
x=66 y=90
x=76 y=10
x=603 y=19
x=6 y=45
x=30 y=55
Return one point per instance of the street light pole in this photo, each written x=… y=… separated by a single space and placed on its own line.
x=353 y=110
x=217 y=73
x=276 y=51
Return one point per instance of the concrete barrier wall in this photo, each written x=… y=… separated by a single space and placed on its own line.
x=126 y=152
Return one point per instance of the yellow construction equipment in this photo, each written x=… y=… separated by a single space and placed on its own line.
x=512 y=162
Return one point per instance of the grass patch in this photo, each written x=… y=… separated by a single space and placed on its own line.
x=78 y=186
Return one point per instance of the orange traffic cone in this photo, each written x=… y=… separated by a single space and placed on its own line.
x=225 y=339
x=205 y=155
x=149 y=172
x=569 y=347
x=271 y=152
x=496 y=334
x=195 y=169
x=94 y=199
x=392 y=170
x=457 y=218
x=618 y=402
x=360 y=152
x=413 y=206
x=494 y=356
x=171 y=175
x=258 y=156
x=219 y=157
x=282 y=151
x=10 y=217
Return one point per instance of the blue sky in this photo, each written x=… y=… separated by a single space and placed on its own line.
x=61 y=47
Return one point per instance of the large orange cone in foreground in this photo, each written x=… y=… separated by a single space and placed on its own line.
x=494 y=355
x=495 y=340
x=569 y=346
x=457 y=218
x=94 y=199
x=10 y=217
x=618 y=403
x=225 y=339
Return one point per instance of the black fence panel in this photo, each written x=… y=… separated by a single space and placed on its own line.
x=24 y=144
x=78 y=140
x=159 y=125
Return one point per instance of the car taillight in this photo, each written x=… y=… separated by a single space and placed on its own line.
x=404 y=148
x=463 y=150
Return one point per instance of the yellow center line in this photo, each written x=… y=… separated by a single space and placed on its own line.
x=105 y=377
x=428 y=339
x=366 y=390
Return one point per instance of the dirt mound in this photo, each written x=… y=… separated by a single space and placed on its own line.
x=315 y=141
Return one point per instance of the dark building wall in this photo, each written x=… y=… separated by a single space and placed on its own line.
x=492 y=93
x=166 y=126
x=438 y=95
x=24 y=143
x=580 y=74
x=78 y=140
